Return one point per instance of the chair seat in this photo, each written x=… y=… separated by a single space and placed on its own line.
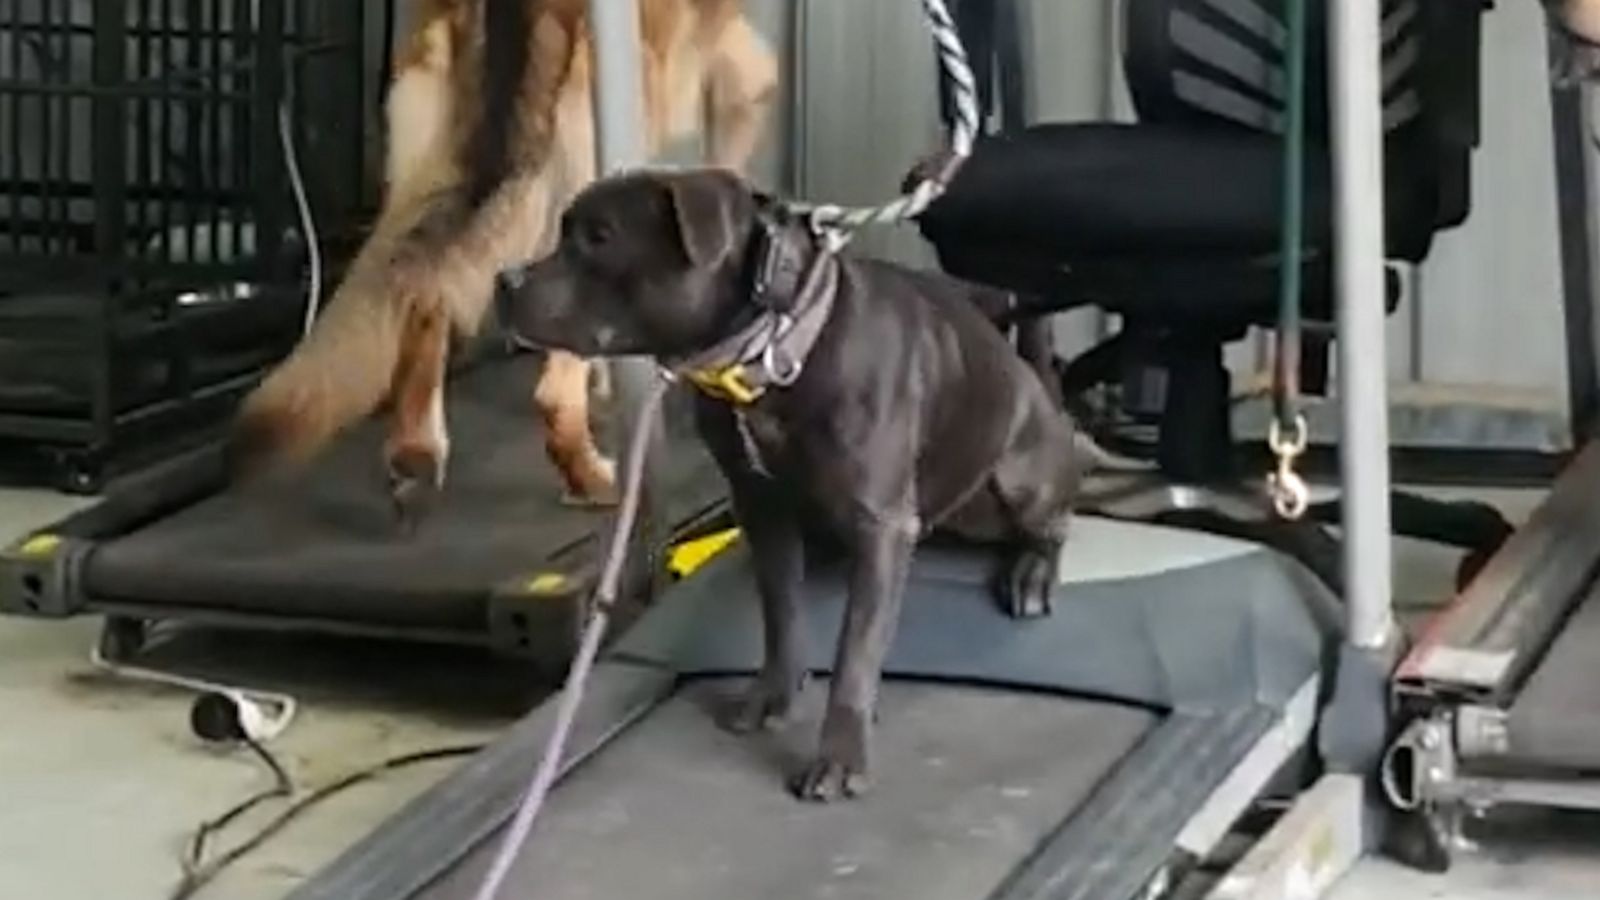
x=1098 y=190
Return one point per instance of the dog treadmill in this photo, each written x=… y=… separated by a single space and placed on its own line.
x=1085 y=755
x=499 y=560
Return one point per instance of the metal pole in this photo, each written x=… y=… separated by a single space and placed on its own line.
x=619 y=85
x=1363 y=375
x=620 y=144
x=1571 y=120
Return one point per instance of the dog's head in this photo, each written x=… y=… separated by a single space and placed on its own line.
x=647 y=264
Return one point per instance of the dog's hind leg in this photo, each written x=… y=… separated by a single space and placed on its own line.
x=418 y=446
x=1027 y=507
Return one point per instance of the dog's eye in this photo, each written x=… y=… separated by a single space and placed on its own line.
x=595 y=234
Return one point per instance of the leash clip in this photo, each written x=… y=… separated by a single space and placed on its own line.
x=782 y=377
x=1291 y=495
x=833 y=237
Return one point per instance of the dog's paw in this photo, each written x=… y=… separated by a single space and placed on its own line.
x=826 y=780
x=593 y=485
x=840 y=770
x=416 y=478
x=767 y=705
x=1029 y=585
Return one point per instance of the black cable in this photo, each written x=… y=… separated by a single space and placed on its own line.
x=197 y=874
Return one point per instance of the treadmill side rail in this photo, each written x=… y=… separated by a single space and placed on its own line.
x=434 y=831
x=1488 y=640
x=1119 y=842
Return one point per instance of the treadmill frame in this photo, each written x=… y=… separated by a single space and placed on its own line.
x=537 y=615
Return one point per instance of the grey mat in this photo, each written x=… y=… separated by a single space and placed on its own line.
x=971 y=782
x=1555 y=720
x=323 y=544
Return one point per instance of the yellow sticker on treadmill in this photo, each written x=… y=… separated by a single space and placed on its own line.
x=40 y=545
x=548 y=584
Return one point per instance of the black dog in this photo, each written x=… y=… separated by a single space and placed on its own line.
x=863 y=398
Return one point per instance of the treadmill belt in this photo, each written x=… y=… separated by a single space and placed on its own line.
x=1555 y=720
x=968 y=783
x=322 y=542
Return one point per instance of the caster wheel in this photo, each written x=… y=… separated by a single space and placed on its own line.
x=123 y=638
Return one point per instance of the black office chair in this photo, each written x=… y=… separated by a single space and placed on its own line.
x=1173 y=224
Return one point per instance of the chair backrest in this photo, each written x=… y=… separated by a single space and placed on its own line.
x=1220 y=63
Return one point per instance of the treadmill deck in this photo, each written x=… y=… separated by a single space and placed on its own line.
x=322 y=544
x=971 y=781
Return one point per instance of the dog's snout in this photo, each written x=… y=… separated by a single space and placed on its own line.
x=506 y=286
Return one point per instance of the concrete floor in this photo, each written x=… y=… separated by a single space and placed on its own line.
x=101 y=782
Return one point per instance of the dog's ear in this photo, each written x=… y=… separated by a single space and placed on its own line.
x=713 y=209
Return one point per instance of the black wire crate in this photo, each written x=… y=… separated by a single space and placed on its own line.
x=151 y=246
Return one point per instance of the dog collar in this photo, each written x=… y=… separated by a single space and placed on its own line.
x=795 y=297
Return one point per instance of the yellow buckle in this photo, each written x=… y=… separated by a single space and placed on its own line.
x=726 y=384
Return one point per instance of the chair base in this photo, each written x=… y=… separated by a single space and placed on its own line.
x=1243 y=510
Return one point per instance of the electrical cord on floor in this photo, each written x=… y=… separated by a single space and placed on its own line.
x=308 y=222
x=194 y=856
x=198 y=871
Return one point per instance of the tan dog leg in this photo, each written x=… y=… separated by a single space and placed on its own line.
x=418 y=446
x=562 y=396
x=743 y=83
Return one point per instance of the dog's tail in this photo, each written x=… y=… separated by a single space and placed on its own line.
x=340 y=373
x=453 y=208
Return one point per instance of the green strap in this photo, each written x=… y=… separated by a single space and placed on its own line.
x=1286 y=369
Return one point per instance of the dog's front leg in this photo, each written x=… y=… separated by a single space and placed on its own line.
x=881 y=558
x=779 y=555
x=766 y=515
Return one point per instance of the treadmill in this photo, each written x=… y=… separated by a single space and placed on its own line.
x=1498 y=694
x=1096 y=753
x=500 y=561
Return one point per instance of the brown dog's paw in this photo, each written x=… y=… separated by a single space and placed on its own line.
x=1028 y=590
x=593 y=484
x=767 y=705
x=416 y=478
